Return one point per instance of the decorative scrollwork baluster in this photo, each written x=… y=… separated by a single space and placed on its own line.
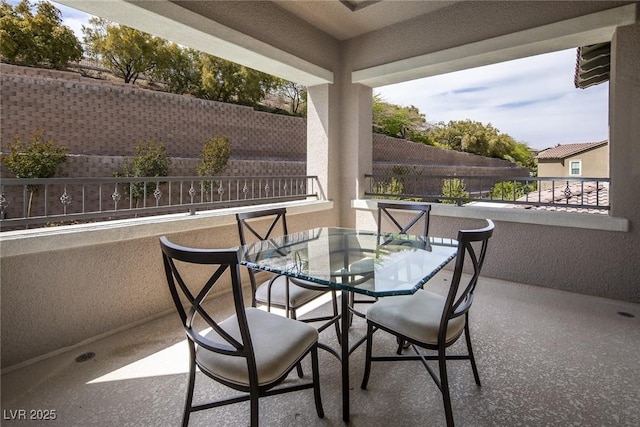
x=65 y=199
x=567 y=192
x=220 y=190
x=116 y=197
x=157 y=194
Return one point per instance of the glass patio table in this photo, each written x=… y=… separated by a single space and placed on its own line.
x=352 y=260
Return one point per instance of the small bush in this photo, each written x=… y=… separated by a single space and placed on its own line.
x=387 y=187
x=215 y=156
x=453 y=187
x=38 y=159
x=151 y=160
x=510 y=190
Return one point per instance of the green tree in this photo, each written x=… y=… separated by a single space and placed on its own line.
x=128 y=53
x=227 y=81
x=150 y=160
x=180 y=70
x=522 y=155
x=125 y=51
x=36 y=39
x=38 y=159
x=484 y=140
x=399 y=122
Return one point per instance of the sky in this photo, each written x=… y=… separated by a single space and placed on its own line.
x=533 y=99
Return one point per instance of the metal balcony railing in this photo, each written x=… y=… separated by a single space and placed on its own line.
x=59 y=201
x=549 y=193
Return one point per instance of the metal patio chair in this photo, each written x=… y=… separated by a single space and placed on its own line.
x=427 y=320
x=412 y=226
x=280 y=291
x=252 y=351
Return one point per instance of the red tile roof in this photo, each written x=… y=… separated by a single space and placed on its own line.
x=565 y=150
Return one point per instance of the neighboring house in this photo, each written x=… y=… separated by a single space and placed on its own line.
x=585 y=160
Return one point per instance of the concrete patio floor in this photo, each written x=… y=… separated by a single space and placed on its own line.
x=546 y=358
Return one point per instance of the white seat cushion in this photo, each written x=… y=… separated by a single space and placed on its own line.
x=278 y=343
x=415 y=316
x=298 y=296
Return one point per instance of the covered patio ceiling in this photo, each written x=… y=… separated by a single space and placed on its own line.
x=383 y=41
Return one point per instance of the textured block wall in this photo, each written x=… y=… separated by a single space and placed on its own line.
x=101 y=122
x=104 y=118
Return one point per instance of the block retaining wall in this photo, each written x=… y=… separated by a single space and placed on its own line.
x=100 y=122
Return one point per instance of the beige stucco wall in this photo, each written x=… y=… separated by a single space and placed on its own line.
x=62 y=287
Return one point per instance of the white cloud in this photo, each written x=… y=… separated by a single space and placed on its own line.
x=532 y=99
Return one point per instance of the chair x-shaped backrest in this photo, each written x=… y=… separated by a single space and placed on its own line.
x=178 y=265
x=277 y=217
x=276 y=222
x=472 y=245
x=422 y=213
x=422 y=209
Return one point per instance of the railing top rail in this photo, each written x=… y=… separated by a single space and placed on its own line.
x=492 y=177
x=97 y=180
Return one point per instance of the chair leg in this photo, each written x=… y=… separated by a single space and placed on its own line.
x=190 y=387
x=444 y=387
x=298 y=365
x=316 y=382
x=467 y=336
x=367 y=361
x=254 y=401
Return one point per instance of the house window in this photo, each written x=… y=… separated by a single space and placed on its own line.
x=575 y=167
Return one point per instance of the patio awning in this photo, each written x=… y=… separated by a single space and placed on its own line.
x=593 y=63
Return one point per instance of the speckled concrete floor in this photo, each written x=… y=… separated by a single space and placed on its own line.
x=546 y=358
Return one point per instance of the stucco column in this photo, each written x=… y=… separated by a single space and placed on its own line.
x=339 y=142
x=624 y=126
x=356 y=147
x=323 y=159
